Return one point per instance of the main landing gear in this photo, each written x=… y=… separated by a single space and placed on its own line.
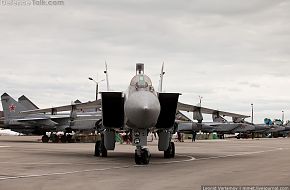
x=142 y=156
x=100 y=149
x=170 y=152
x=55 y=138
x=66 y=138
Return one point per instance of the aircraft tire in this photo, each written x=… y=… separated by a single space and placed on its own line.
x=45 y=139
x=104 y=151
x=54 y=138
x=69 y=138
x=63 y=138
x=172 y=150
x=166 y=154
x=137 y=159
x=98 y=148
x=144 y=159
x=145 y=156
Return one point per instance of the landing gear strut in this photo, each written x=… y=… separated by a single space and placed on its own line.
x=142 y=156
x=170 y=152
x=100 y=149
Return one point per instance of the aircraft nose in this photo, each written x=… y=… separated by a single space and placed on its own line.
x=142 y=109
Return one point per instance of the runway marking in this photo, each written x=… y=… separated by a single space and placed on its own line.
x=60 y=173
x=128 y=166
x=5 y=146
x=191 y=158
x=92 y=170
x=240 y=154
x=56 y=163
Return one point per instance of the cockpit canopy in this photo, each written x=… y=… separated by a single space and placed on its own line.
x=141 y=81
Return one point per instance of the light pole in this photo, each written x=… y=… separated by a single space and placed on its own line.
x=282 y=117
x=252 y=105
x=97 y=86
x=200 y=97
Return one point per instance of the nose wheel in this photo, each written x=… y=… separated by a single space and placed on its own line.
x=142 y=156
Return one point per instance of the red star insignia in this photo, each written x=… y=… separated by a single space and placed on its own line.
x=12 y=108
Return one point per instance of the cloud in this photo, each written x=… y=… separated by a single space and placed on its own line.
x=232 y=53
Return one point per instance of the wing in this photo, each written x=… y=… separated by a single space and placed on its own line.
x=43 y=121
x=180 y=117
x=78 y=106
x=30 y=119
x=197 y=109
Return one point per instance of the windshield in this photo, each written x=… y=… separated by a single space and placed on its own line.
x=141 y=82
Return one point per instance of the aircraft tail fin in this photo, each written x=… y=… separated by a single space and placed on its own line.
x=161 y=78
x=107 y=76
x=11 y=107
x=218 y=118
x=27 y=103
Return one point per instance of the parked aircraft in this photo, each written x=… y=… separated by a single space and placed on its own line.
x=276 y=127
x=41 y=123
x=268 y=128
x=139 y=110
x=219 y=125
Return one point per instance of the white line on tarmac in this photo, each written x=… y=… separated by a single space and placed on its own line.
x=61 y=173
x=5 y=146
x=128 y=166
x=58 y=163
x=92 y=170
x=191 y=158
x=240 y=154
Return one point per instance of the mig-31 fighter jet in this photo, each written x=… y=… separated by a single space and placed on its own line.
x=139 y=110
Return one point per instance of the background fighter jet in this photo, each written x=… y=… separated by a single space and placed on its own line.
x=139 y=110
x=41 y=123
x=269 y=128
x=36 y=124
x=273 y=129
x=219 y=125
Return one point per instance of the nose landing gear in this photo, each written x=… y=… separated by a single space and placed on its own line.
x=142 y=156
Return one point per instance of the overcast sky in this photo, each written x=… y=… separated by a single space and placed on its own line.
x=232 y=53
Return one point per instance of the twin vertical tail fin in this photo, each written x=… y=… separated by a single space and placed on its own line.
x=217 y=118
x=107 y=76
x=29 y=105
x=160 y=81
x=11 y=107
x=161 y=78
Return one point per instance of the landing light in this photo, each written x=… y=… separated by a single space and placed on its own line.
x=136 y=141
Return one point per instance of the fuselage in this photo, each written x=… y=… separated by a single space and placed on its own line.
x=142 y=106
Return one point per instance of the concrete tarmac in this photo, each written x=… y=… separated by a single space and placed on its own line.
x=26 y=163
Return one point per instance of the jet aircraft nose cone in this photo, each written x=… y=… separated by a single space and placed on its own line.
x=142 y=109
